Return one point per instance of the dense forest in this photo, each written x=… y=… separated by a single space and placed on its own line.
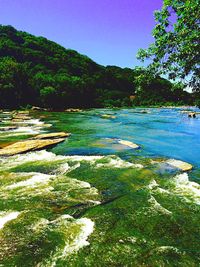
x=36 y=71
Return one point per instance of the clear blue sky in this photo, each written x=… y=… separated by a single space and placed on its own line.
x=108 y=31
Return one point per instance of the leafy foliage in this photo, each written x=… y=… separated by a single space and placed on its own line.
x=36 y=71
x=176 y=50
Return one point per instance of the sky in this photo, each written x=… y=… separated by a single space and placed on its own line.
x=108 y=31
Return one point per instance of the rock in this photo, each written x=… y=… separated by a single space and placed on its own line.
x=29 y=145
x=26 y=112
x=17 y=120
x=73 y=110
x=8 y=128
x=107 y=116
x=47 y=125
x=185 y=111
x=7 y=112
x=192 y=115
x=128 y=143
x=52 y=135
x=145 y=111
x=38 y=109
x=181 y=165
x=21 y=117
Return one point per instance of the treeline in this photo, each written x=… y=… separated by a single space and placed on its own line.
x=36 y=71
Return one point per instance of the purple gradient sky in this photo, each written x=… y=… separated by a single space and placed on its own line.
x=108 y=31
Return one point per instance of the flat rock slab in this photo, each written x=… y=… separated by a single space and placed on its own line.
x=29 y=145
x=181 y=165
x=52 y=135
x=128 y=143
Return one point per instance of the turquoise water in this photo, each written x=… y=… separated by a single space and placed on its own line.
x=162 y=132
x=91 y=201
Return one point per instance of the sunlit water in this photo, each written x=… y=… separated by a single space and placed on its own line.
x=91 y=201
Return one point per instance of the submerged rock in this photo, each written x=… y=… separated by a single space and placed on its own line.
x=181 y=165
x=107 y=116
x=52 y=135
x=29 y=145
x=128 y=143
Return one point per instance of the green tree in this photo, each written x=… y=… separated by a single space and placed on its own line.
x=48 y=96
x=176 y=50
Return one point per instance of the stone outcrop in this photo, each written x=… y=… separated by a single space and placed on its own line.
x=38 y=142
x=181 y=165
x=52 y=135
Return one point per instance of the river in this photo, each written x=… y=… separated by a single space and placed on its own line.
x=93 y=201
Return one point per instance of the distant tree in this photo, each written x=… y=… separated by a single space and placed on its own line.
x=49 y=97
x=14 y=84
x=176 y=50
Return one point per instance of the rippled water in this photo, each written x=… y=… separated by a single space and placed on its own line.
x=91 y=201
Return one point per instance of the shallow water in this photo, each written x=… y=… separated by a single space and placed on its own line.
x=91 y=201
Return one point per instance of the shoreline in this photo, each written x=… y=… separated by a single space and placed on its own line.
x=74 y=110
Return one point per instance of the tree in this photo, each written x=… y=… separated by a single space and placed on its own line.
x=49 y=97
x=176 y=50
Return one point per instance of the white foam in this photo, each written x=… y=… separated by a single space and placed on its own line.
x=44 y=156
x=87 y=227
x=27 y=130
x=158 y=207
x=23 y=131
x=37 y=178
x=183 y=186
x=162 y=191
x=16 y=160
x=118 y=163
x=7 y=216
x=31 y=121
x=153 y=184
x=65 y=168
x=67 y=222
x=90 y=159
x=163 y=249
x=96 y=202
